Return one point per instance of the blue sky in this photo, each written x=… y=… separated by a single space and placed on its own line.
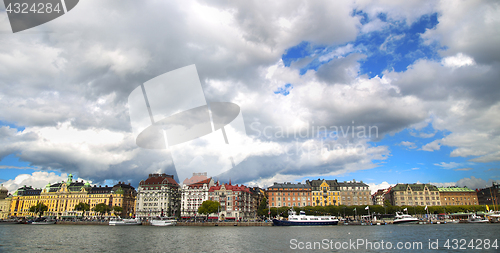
x=395 y=48
x=425 y=74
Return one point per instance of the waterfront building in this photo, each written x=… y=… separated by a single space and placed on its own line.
x=197 y=177
x=121 y=195
x=489 y=196
x=5 y=200
x=415 y=195
x=193 y=196
x=257 y=196
x=158 y=195
x=452 y=196
x=235 y=201
x=61 y=199
x=288 y=194
x=354 y=193
x=378 y=197
x=324 y=192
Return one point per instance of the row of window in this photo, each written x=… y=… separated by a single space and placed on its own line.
x=293 y=194
x=293 y=198
x=289 y=204
x=421 y=198
x=419 y=193
x=421 y=203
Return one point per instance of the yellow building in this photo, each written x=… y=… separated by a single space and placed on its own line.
x=61 y=199
x=325 y=192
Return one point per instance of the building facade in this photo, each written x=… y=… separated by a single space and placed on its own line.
x=489 y=196
x=193 y=196
x=415 y=195
x=4 y=202
x=158 y=195
x=235 y=201
x=257 y=196
x=288 y=194
x=324 y=192
x=354 y=193
x=452 y=196
x=61 y=199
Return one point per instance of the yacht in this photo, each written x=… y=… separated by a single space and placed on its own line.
x=404 y=218
x=305 y=220
x=477 y=219
x=124 y=222
x=163 y=222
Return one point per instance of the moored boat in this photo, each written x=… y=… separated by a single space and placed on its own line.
x=163 y=222
x=125 y=222
x=305 y=220
x=43 y=221
x=477 y=219
x=404 y=218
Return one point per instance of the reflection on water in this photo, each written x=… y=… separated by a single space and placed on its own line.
x=66 y=238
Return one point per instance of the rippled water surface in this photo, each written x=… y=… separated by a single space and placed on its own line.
x=94 y=238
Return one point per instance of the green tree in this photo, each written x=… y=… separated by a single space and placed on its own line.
x=84 y=207
x=262 y=211
x=118 y=209
x=101 y=208
x=39 y=208
x=208 y=207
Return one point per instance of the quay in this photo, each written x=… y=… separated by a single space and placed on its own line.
x=82 y=223
x=222 y=224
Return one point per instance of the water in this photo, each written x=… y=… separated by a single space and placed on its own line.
x=95 y=238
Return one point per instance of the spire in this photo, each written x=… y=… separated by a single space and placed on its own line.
x=230 y=181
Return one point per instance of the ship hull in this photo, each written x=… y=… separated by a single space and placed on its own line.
x=305 y=223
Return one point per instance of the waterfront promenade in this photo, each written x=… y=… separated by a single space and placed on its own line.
x=201 y=224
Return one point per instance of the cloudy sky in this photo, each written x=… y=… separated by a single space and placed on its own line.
x=378 y=91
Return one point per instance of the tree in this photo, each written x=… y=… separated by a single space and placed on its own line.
x=118 y=209
x=262 y=211
x=84 y=207
x=39 y=208
x=208 y=207
x=101 y=208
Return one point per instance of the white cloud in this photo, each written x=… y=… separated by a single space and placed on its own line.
x=457 y=61
x=475 y=183
x=408 y=144
x=444 y=184
x=375 y=187
x=450 y=165
x=37 y=179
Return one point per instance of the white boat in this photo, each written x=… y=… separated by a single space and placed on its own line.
x=493 y=216
x=163 y=222
x=477 y=219
x=305 y=220
x=404 y=218
x=125 y=222
x=43 y=221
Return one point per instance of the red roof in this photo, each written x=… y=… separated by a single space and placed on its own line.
x=200 y=184
x=197 y=177
x=159 y=179
x=230 y=187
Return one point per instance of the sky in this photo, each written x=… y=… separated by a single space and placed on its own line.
x=383 y=92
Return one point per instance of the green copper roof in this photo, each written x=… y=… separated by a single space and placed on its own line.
x=454 y=189
x=414 y=187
